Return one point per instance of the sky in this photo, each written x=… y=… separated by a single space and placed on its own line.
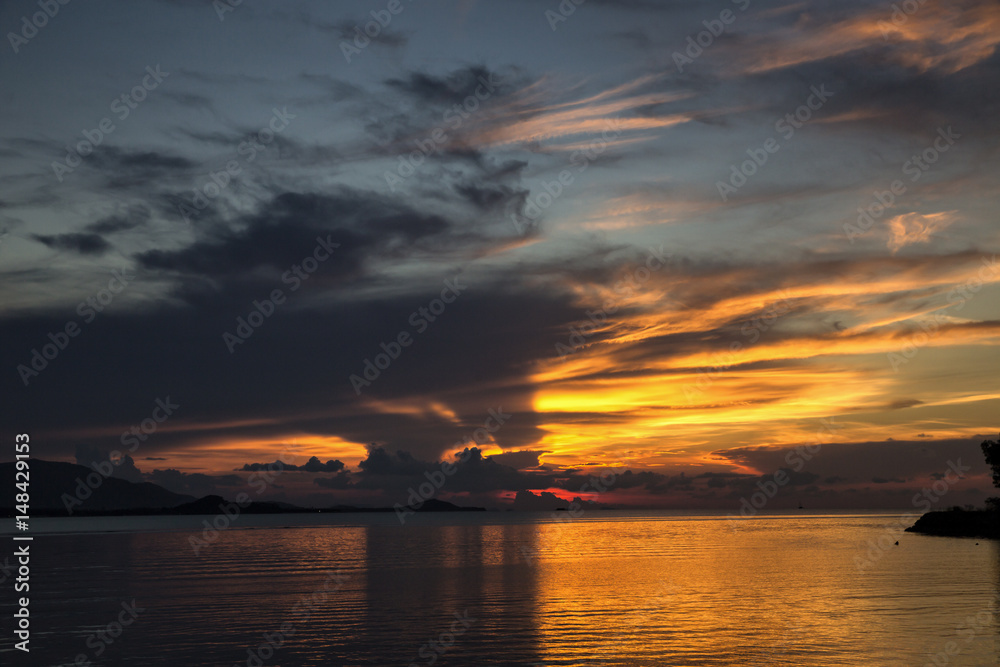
x=703 y=249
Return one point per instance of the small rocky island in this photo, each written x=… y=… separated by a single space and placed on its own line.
x=959 y=522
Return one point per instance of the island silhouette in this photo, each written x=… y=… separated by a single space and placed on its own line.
x=964 y=522
x=61 y=489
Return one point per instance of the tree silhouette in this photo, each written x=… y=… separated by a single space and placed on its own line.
x=991 y=450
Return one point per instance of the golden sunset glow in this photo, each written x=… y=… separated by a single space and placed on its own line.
x=683 y=251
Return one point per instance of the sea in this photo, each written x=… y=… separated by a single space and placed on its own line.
x=609 y=588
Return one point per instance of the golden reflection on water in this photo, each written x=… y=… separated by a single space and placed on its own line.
x=606 y=589
x=768 y=592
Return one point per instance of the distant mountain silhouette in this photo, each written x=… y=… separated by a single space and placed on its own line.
x=435 y=505
x=49 y=480
x=429 y=505
x=213 y=505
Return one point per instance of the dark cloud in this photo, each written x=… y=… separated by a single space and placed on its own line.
x=312 y=465
x=136 y=171
x=526 y=501
x=217 y=79
x=287 y=228
x=518 y=460
x=399 y=472
x=320 y=347
x=122 y=468
x=190 y=100
x=448 y=89
x=339 y=89
x=349 y=30
x=339 y=481
x=891 y=96
x=83 y=243
x=194 y=484
x=382 y=463
x=657 y=6
x=422 y=103
x=142 y=162
x=888 y=460
x=133 y=217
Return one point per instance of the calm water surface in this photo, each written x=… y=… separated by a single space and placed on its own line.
x=609 y=588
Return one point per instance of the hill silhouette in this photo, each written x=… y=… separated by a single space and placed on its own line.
x=49 y=480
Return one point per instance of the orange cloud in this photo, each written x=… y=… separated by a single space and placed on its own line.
x=911 y=228
x=653 y=375
x=944 y=36
x=529 y=118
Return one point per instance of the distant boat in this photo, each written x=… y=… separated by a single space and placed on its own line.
x=800 y=505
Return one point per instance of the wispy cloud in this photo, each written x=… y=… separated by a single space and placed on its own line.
x=911 y=228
